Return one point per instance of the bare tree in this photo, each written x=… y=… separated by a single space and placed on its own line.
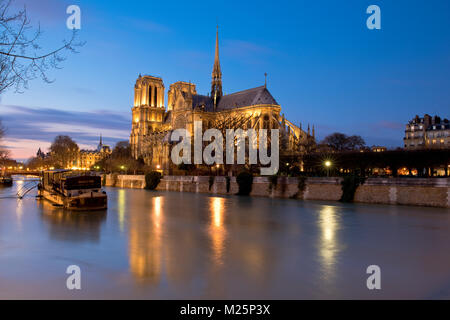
x=63 y=151
x=4 y=154
x=341 y=142
x=21 y=57
x=225 y=121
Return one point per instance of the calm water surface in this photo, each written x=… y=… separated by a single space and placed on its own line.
x=169 y=245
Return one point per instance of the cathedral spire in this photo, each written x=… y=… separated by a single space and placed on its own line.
x=216 y=82
x=100 y=145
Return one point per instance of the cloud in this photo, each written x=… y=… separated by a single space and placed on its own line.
x=28 y=129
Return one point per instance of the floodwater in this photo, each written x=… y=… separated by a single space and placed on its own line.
x=170 y=245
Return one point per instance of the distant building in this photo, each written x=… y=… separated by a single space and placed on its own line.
x=40 y=154
x=87 y=158
x=378 y=149
x=427 y=133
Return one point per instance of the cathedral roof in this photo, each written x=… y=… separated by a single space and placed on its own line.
x=245 y=98
x=199 y=100
x=249 y=97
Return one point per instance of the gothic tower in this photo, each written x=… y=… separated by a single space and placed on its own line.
x=147 y=112
x=216 y=82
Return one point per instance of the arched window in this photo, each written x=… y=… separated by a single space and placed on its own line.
x=149 y=95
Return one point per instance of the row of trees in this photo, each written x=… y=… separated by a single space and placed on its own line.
x=121 y=160
x=341 y=142
x=64 y=153
x=425 y=162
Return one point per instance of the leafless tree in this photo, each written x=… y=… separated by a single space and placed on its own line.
x=63 y=151
x=341 y=142
x=4 y=154
x=225 y=121
x=21 y=56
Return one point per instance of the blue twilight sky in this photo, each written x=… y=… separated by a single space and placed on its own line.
x=324 y=66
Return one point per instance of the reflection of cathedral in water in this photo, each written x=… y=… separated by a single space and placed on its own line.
x=167 y=243
x=145 y=245
x=159 y=248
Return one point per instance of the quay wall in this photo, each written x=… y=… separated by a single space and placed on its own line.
x=434 y=192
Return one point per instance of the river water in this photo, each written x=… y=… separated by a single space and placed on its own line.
x=170 y=245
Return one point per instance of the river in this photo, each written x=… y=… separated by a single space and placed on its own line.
x=171 y=245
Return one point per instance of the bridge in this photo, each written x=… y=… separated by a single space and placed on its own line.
x=22 y=172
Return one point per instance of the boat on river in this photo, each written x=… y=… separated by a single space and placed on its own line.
x=73 y=190
x=6 y=181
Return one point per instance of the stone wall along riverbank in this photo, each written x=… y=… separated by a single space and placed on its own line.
x=434 y=192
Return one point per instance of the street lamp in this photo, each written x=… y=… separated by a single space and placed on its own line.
x=328 y=165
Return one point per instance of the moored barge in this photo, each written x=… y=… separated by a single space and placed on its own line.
x=72 y=190
x=6 y=181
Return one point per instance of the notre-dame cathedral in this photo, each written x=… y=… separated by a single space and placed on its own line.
x=256 y=108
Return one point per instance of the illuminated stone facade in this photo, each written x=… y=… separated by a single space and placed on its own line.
x=427 y=133
x=86 y=159
x=253 y=108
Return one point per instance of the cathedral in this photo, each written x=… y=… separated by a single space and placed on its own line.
x=152 y=123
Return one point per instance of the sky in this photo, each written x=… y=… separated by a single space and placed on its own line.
x=324 y=66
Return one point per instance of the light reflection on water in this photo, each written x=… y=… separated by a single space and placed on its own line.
x=328 y=243
x=185 y=245
x=217 y=231
x=121 y=205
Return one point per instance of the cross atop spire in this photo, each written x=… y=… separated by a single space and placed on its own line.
x=216 y=82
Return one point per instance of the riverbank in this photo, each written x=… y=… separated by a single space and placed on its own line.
x=432 y=192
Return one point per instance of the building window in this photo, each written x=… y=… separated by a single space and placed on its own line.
x=149 y=94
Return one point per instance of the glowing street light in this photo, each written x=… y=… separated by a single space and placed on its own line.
x=328 y=165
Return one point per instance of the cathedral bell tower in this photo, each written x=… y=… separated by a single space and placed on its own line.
x=147 y=112
x=216 y=82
